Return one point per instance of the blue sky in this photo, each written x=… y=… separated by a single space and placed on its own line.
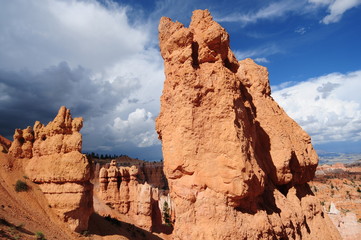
x=101 y=60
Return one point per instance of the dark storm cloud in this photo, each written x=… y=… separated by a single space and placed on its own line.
x=26 y=97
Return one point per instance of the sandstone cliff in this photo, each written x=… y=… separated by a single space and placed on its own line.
x=57 y=165
x=152 y=173
x=121 y=189
x=236 y=164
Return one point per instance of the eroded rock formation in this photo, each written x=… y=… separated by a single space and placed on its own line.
x=120 y=188
x=57 y=165
x=4 y=144
x=237 y=165
x=152 y=173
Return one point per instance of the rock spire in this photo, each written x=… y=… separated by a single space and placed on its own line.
x=236 y=164
x=58 y=166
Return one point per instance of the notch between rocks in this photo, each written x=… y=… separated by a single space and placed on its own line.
x=195 y=48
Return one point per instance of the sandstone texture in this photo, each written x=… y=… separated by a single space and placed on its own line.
x=58 y=166
x=152 y=173
x=121 y=189
x=4 y=144
x=237 y=165
x=339 y=189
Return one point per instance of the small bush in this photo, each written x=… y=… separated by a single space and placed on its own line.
x=40 y=236
x=21 y=186
x=166 y=214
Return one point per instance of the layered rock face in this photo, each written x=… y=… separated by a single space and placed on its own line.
x=152 y=173
x=121 y=189
x=236 y=164
x=57 y=165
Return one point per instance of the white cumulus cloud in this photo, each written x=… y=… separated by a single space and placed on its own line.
x=327 y=107
x=138 y=128
x=89 y=56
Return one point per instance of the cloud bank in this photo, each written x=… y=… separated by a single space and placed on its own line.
x=89 y=57
x=327 y=107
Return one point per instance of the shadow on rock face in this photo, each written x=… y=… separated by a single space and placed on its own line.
x=107 y=226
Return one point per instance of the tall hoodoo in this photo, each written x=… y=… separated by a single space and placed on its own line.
x=236 y=164
x=58 y=166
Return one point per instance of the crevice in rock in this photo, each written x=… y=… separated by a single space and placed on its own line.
x=195 y=48
x=283 y=189
x=231 y=66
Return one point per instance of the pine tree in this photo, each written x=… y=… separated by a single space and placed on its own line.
x=166 y=214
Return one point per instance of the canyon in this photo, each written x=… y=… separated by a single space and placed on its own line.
x=236 y=166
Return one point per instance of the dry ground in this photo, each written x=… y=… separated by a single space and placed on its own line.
x=24 y=214
x=341 y=186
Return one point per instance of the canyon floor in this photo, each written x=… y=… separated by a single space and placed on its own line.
x=25 y=215
x=338 y=187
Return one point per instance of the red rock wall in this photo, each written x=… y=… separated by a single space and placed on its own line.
x=121 y=189
x=236 y=164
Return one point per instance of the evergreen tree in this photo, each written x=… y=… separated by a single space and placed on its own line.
x=166 y=214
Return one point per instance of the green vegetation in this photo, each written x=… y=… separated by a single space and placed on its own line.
x=104 y=156
x=166 y=214
x=21 y=186
x=40 y=236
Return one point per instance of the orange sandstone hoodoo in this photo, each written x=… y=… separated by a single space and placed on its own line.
x=57 y=165
x=236 y=164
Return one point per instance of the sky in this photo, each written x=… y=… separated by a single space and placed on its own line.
x=100 y=59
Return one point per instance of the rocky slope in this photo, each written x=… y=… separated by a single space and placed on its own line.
x=340 y=186
x=236 y=164
x=56 y=196
x=4 y=144
x=57 y=165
